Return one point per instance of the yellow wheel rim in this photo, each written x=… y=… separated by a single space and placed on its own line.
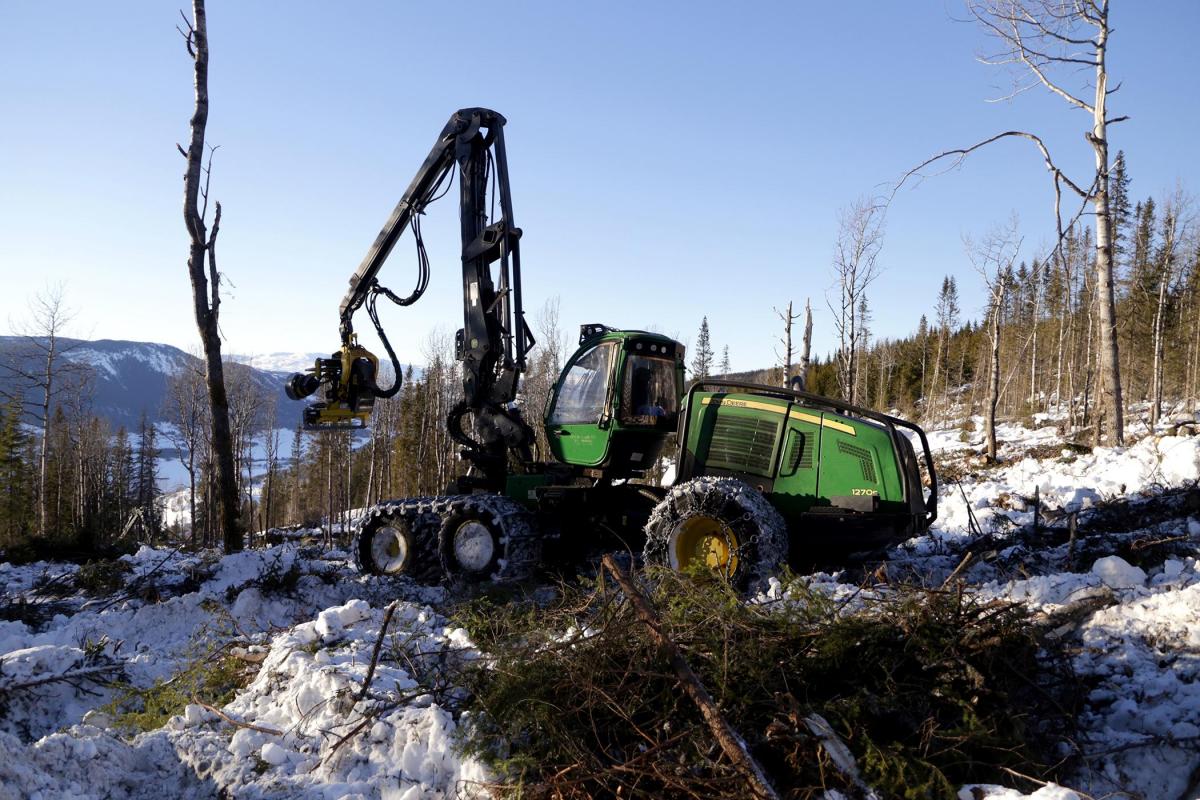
x=702 y=540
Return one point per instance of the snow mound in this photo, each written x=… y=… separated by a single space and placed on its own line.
x=1117 y=573
x=311 y=622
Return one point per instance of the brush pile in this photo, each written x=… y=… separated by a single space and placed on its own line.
x=911 y=691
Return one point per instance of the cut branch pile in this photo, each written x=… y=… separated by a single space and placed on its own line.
x=680 y=689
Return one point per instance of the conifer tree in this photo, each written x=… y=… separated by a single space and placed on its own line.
x=15 y=474
x=703 y=359
x=145 y=477
x=121 y=497
x=1118 y=207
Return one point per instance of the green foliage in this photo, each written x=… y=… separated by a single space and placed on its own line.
x=16 y=476
x=102 y=577
x=702 y=359
x=928 y=689
x=213 y=679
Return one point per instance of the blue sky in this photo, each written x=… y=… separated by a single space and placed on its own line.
x=669 y=160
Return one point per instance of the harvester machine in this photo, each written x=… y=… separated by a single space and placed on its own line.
x=764 y=475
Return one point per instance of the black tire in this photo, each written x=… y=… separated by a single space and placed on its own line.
x=486 y=537
x=723 y=523
x=398 y=541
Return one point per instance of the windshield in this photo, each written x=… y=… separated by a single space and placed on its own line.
x=584 y=389
x=648 y=396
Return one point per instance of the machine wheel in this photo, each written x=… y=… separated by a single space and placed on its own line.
x=393 y=542
x=485 y=537
x=721 y=523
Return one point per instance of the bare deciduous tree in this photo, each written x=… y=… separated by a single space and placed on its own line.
x=1176 y=222
x=1045 y=42
x=206 y=280
x=806 y=352
x=993 y=258
x=788 y=318
x=186 y=411
x=43 y=372
x=855 y=267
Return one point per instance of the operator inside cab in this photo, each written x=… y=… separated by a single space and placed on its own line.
x=648 y=396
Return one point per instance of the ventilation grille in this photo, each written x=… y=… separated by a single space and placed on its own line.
x=800 y=452
x=864 y=458
x=742 y=445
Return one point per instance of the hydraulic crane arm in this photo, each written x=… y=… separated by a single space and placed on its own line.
x=494 y=340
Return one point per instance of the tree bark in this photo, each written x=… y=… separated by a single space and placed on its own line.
x=994 y=369
x=1104 y=251
x=206 y=297
x=44 y=454
x=806 y=354
x=1156 y=378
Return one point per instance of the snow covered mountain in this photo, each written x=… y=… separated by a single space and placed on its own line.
x=279 y=362
x=129 y=377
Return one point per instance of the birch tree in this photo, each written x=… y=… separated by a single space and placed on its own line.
x=42 y=372
x=1176 y=221
x=855 y=267
x=1045 y=43
x=993 y=258
x=184 y=408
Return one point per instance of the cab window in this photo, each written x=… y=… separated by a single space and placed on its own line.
x=648 y=394
x=584 y=389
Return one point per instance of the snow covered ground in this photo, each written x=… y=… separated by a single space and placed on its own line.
x=314 y=640
x=306 y=624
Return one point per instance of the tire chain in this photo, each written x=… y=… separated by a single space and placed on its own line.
x=521 y=539
x=702 y=495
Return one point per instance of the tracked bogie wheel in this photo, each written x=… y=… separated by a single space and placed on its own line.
x=485 y=537
x=399 y=539
x=724 y=524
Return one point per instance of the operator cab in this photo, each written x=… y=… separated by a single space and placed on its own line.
x=616 y=401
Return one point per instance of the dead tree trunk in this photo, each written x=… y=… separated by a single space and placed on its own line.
x=806 y=353
x=1034 y=400
x=994 y=370
x=788 y=318
x=1104 y=250
x=206 y=281
x=1156 y=378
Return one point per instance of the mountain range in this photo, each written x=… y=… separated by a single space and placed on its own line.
x=129 y=377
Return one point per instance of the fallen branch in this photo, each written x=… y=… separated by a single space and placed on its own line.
x=235 y=722
x=70 y=675
x=1067 y=618
x=962 y=565
x=729 y=740
x=838 y=753
x=371 y=716
x=135 y=585
x=387 y=619
x=1142 y=544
